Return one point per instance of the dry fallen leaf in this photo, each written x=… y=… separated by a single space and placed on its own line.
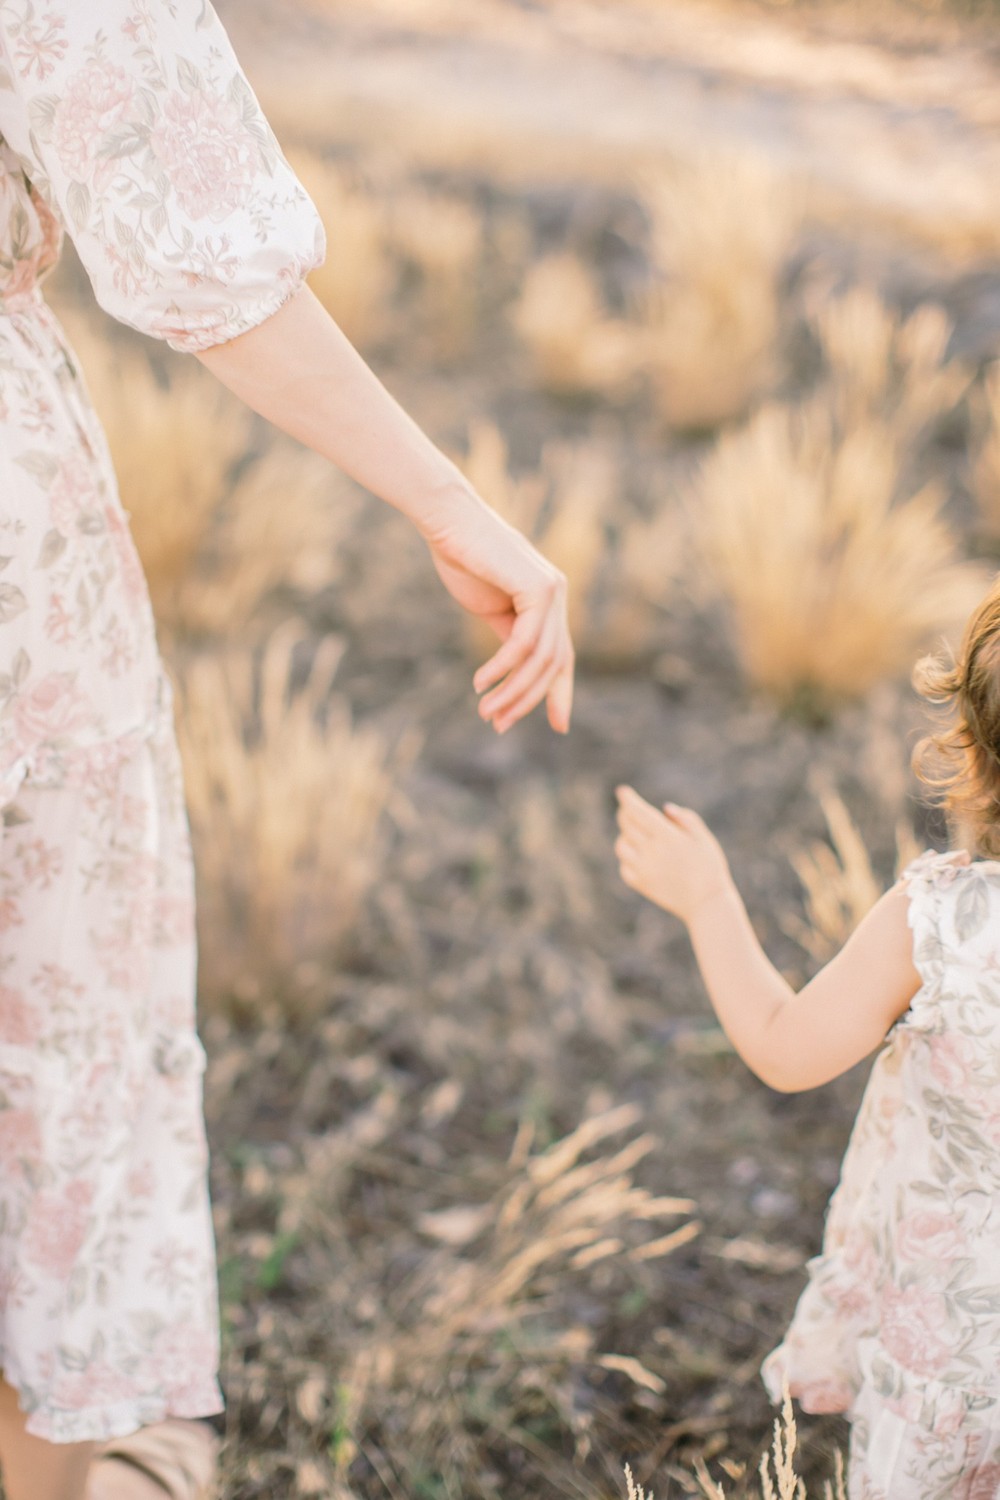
x=455 y=1226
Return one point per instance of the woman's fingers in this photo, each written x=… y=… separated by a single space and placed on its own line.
x=560 y=697
x=535 y=662
x=522 y=689
x=508 y=656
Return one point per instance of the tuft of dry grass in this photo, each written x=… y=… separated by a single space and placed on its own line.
x=175 y=447
x=285 y=796
x=832 y=584
x=778 y=1477
x=470 y=1342
x=838 y=880
x=576 y=348
x=357 y=279
x=721 y=228
x=219 y=526
x=442 y=240
x=785 y=1485
x=281 y=527
x=986 y=466
x=883 y=367
x=563 y=507
x=633 y=1490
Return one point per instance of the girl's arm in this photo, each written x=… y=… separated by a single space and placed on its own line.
x=790 y=1041
x=297 y=369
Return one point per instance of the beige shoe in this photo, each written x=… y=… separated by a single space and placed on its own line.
x=172 y=1460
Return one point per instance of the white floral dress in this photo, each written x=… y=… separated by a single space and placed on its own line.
x=899 y=1325
x=129 y=123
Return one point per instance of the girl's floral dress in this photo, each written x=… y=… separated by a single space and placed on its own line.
x=899 y=1325
x=129 y=124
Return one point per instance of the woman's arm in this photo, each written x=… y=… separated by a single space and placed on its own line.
x=790 y=1041
x=298 y=370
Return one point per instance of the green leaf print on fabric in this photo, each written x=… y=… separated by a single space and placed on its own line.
x=12 y=602
x=53 y=546
x=972 y=908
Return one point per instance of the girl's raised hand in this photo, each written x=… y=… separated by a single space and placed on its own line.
x=670 y=857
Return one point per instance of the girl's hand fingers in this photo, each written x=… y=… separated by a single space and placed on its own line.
x=630 y=799
x=634 y=827
x=642 y=814
x=685 y=816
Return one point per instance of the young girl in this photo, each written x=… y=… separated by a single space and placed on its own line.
x=899 y=1325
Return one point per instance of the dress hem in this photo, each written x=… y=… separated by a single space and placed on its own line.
x=101 y=1424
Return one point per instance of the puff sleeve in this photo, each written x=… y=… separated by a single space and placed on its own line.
x=134 y=121
x=926 y=879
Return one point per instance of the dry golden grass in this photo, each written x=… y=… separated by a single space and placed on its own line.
x=175 y=449
x=778 y=1477
x=832 y=584
x=486 y=466
x=442 y=239
x=281 y=526
x=882 y=367
x=576 y=348
x=285 y=797
x=722 y=229
x=986 y=466
x=356 y=281
x=217 y=533
x=472 y=1331
x=838 y=880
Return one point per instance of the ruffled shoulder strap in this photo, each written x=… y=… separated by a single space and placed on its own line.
x=927 y=879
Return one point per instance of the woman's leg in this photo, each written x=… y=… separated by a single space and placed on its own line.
x=34 y=1469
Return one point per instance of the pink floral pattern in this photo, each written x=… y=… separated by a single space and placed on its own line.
x=137 y=128
x=131 y=126
x=900 y=1319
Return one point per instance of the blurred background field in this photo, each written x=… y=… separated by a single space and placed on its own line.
x=706 y=298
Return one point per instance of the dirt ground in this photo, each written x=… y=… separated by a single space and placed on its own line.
x=501 y=979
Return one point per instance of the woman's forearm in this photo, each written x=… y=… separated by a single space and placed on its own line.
x=299 y=371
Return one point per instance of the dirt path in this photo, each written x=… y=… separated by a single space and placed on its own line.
x=908 y=137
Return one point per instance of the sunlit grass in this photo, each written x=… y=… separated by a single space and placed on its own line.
x=839 y=882
x=577 y=349
x=563 y=506
x=472 y=1329
x=722 y=228
x=986 y=461
x=357 y=279
x=831 y=583
x=286 y=797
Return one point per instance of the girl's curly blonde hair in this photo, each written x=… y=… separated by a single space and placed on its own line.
x=961 y=763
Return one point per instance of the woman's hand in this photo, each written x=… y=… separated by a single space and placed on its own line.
x=670 y=857
x=299 y=371
x=495 y=573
